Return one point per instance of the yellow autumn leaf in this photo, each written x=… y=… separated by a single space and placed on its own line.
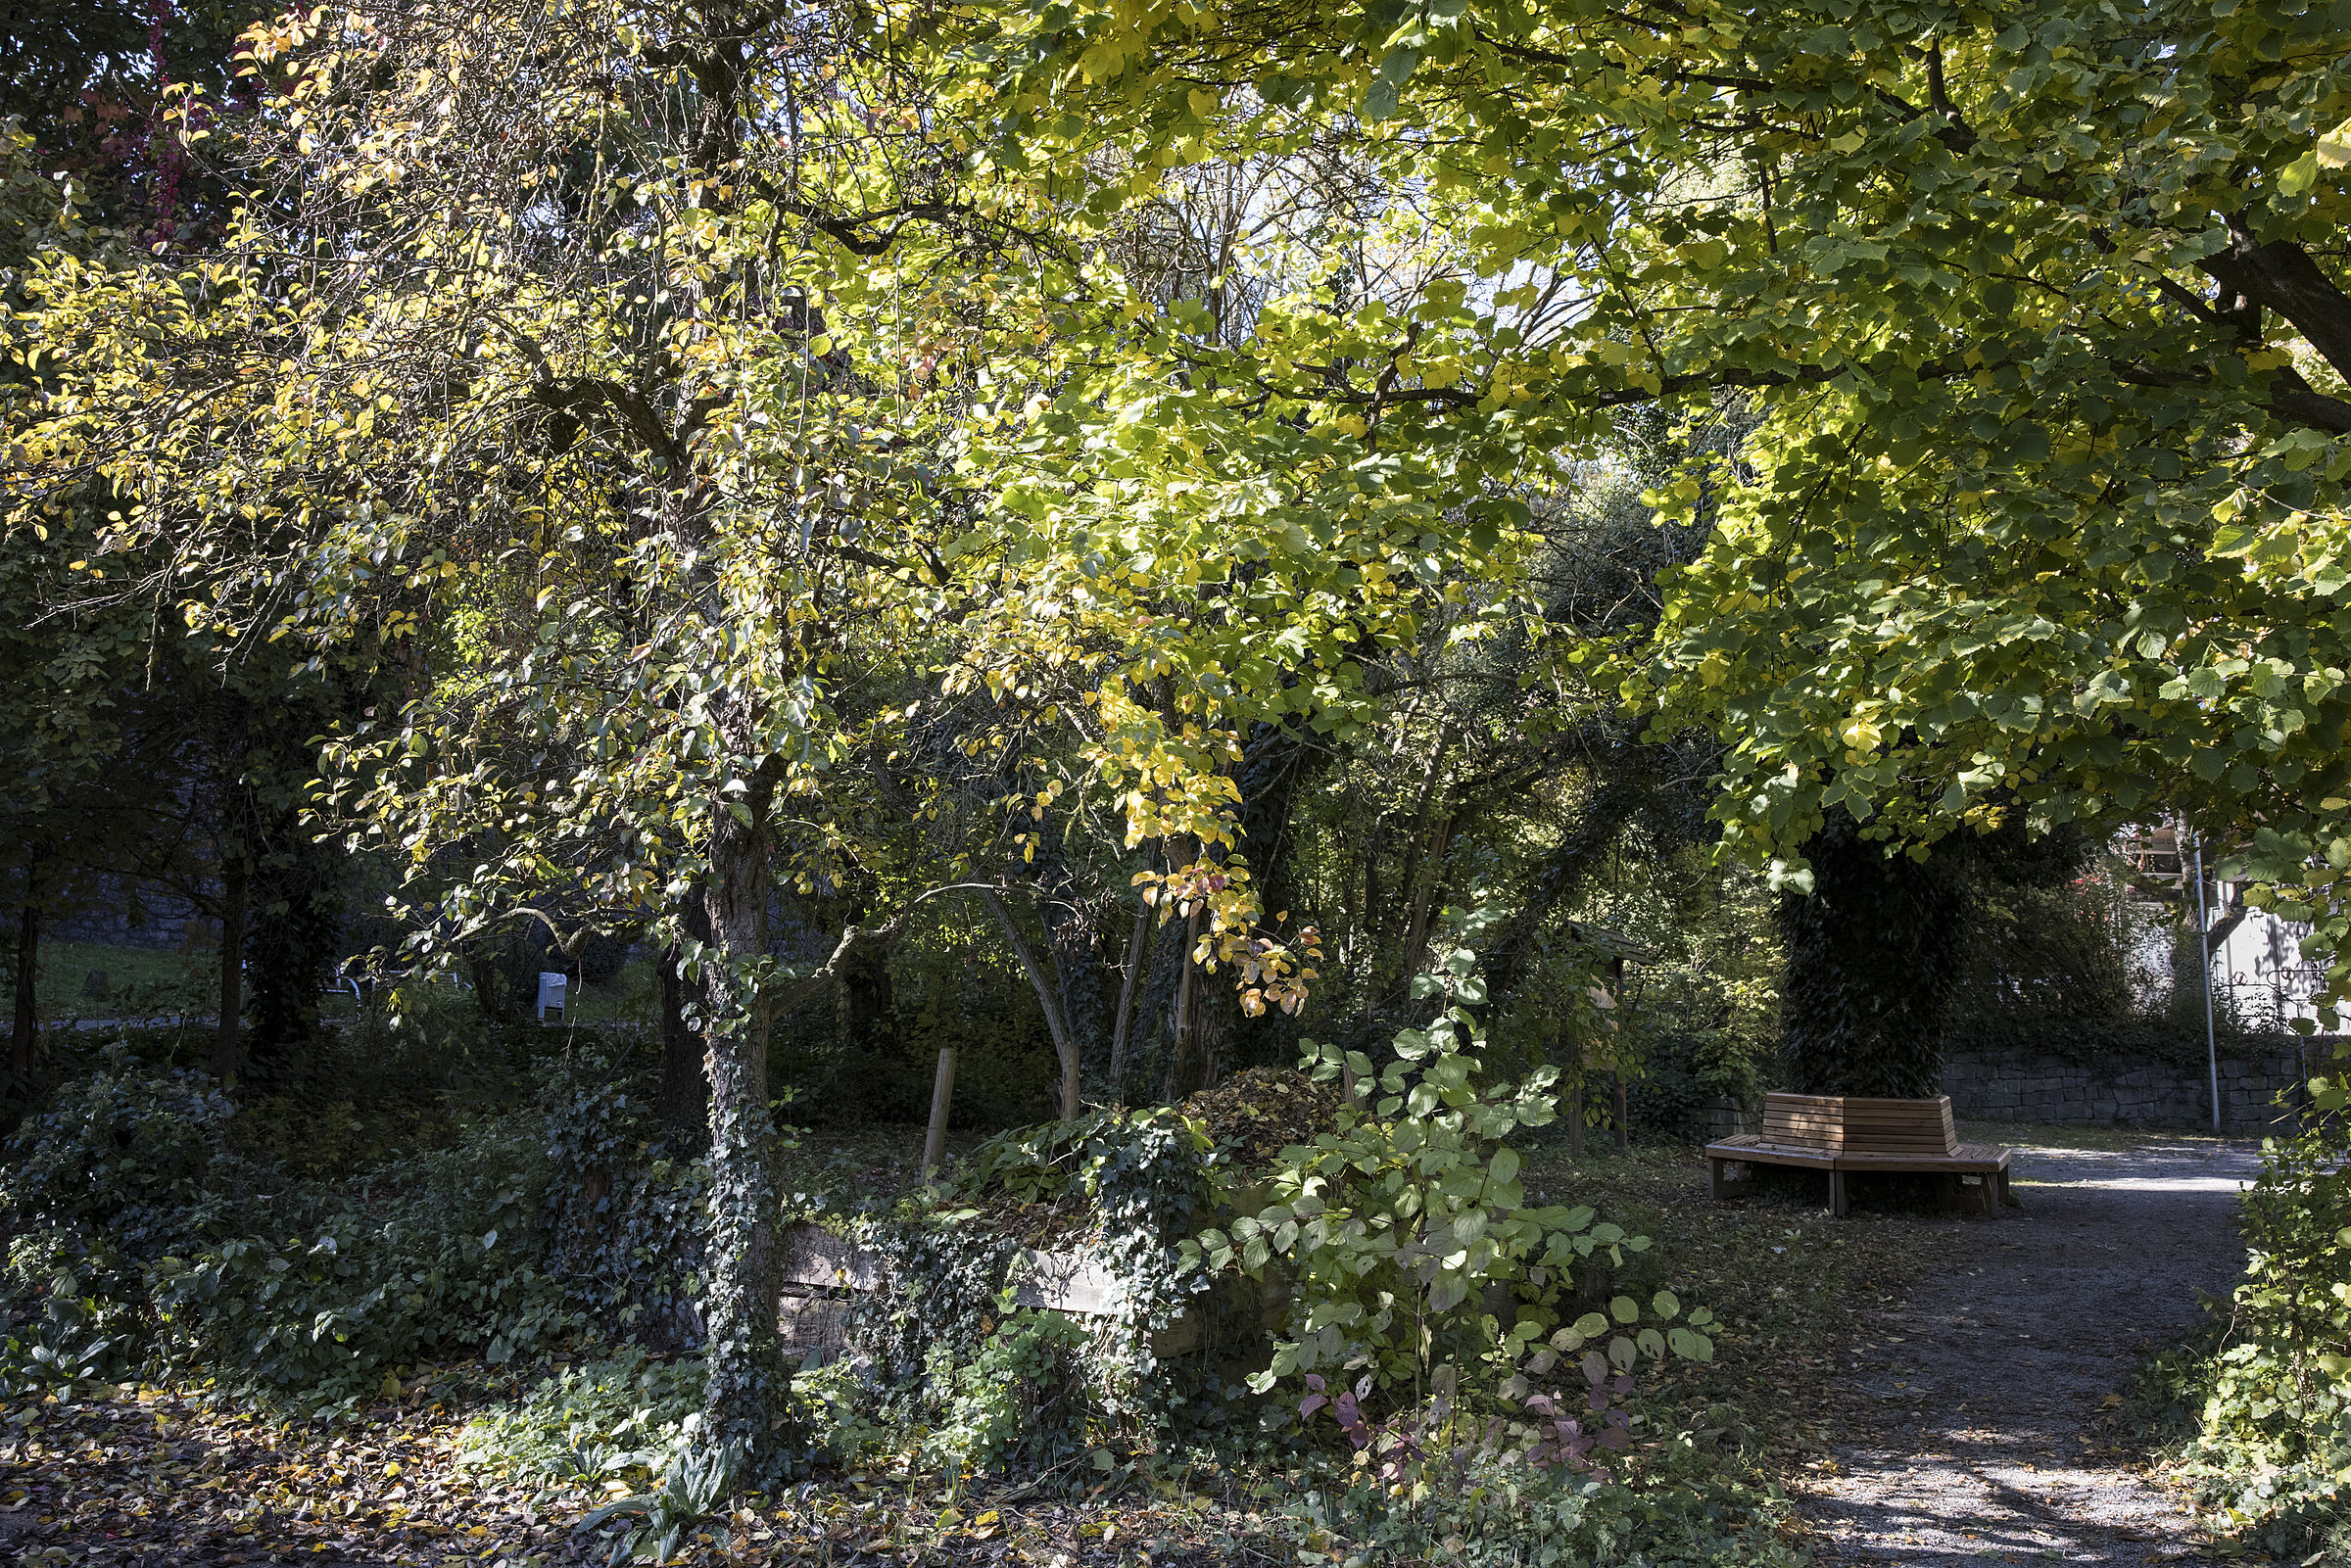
x=2334 y=147
x=1102 y=62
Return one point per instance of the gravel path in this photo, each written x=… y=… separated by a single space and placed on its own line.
x=1976 y=1438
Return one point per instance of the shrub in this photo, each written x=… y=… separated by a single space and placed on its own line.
x=1672 y=1098
x=1023 y=1398
x=134 y=1221
x=1411 y=1250
x=2270 y=1392
x=1490 y=1511
x=434 y=1255
x=121 y=1167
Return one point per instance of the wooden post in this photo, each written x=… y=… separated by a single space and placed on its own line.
x=942 y=1090
x=1624 y=1133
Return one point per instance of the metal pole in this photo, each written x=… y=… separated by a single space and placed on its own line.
x=2212 y=1051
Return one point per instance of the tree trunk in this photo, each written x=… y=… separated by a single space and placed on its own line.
x=683 y=1102
x=1423 y=896
x=745 y=1403
x=232 y=968
x=293 y=935
x=1276 y=769
x=492 y=965
x=1416 y=837
x=1874 y=954
x=1048 y=998
x=29 y=970
x=1197 y=1016
x=1509 y=954
x=1137 y=945
x=861 y=995
x=1192 y=1067
x=1080 y=973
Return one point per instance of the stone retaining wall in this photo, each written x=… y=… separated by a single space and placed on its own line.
x=821 y=1271
x=2140 y=1091
x=148 y=917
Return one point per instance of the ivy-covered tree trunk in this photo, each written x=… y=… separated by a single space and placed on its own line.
x=1874 y=955
x=746 y=1400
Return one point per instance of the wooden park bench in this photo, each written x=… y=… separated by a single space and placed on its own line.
x=1844 y=1134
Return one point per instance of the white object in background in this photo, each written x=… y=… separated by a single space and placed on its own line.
x=551 y=992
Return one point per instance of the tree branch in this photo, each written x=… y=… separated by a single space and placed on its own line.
x=2281 y=276
x=2291 y=398
x=1047 y=997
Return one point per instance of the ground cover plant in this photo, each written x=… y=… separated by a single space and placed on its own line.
x=515 y=1457
x=1454 y=1439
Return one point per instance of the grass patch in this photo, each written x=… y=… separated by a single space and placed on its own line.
x=1787 y=1284
x=140 y=982
x=2091 y=1138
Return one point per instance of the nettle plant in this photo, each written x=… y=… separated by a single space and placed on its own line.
x=1412 y=1259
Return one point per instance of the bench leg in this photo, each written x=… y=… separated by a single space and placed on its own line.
x=1837 y=1199
x=1995 y=1194
x=1719 y=1184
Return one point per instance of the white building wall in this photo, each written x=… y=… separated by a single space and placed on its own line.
x=2259 y=965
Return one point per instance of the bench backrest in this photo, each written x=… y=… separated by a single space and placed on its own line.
x=1851 y=1124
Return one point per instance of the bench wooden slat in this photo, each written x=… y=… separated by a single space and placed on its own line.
x=1959 y=1164
x=1767 y=1152
x=1969 y=1157
x=1848 y=1123
x=1987 y=1160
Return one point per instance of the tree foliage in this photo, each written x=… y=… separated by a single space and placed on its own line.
x=2035 y=307
x=999 y=452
